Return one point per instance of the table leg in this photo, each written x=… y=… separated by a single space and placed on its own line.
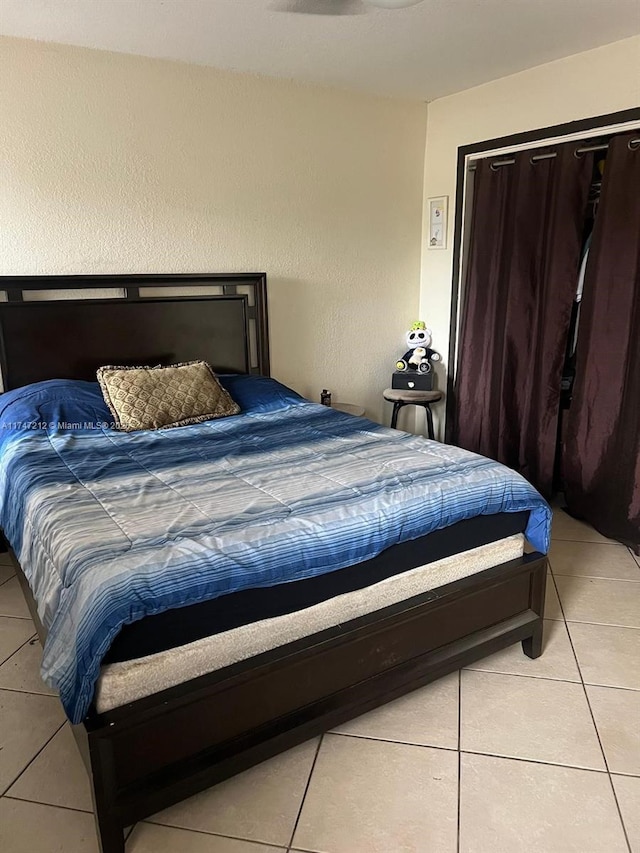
x=394 y=417
x=430 y=431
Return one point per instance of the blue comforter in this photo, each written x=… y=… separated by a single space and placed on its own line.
x=110 y=527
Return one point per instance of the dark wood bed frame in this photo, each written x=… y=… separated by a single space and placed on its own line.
x=156 y=751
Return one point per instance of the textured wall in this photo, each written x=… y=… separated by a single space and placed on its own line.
x=592 y=83
x=120 y=164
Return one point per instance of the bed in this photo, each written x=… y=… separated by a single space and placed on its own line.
x=258 y=604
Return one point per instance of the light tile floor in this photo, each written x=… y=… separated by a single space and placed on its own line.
x=507 y=756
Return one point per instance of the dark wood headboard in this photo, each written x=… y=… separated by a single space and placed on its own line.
x=65 y=327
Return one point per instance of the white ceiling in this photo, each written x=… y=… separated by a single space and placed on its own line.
x=426 y=51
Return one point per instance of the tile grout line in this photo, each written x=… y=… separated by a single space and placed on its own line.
x=548 y=677
x=387 y=740
x=587 y=622
x=304 y=850
x=611 y=687
x=599 y=624
x=26 y=767
x=15 y=652
x=584 y=621
x=537 y=761
x=51 y=695
x=523 y=675
x=608 y=771
x=306 y=788
x=206 y=832
x=488 y=754
x=459 y=758
x=594 y=577
x=595 y=726
x=41 y=803
x=583 y=541
x=606 y=764
x=11 y=577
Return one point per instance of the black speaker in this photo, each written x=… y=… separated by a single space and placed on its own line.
x=410 y=380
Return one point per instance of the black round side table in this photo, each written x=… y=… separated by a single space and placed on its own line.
x=401 y=398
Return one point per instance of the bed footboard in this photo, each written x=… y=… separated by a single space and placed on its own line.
x=152 y=753
x=161 y=749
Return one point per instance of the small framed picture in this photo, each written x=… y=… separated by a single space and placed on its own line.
x=438 y=222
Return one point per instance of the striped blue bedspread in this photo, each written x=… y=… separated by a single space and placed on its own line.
x=110 y=527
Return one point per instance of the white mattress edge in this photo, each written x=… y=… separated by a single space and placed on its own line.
x=124 y=682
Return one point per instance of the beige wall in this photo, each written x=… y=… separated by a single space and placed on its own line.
x=588 y=84
x=119 y=164
x=114 y=163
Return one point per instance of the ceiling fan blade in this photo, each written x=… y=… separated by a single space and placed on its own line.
x=321 y=7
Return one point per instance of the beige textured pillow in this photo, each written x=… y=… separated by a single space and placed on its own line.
x=161 y=397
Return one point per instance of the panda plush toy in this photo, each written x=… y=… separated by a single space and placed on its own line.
x=419 y=355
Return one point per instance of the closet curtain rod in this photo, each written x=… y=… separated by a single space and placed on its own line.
x=633 y=144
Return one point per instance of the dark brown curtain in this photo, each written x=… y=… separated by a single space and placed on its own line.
x=602 y=450
x=525 y=243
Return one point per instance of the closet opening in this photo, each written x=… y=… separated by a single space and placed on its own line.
x=544 y=248
x=599 y=148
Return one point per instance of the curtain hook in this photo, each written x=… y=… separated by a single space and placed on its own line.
x=577 y=154
x=633 y=144
x=493 y=167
